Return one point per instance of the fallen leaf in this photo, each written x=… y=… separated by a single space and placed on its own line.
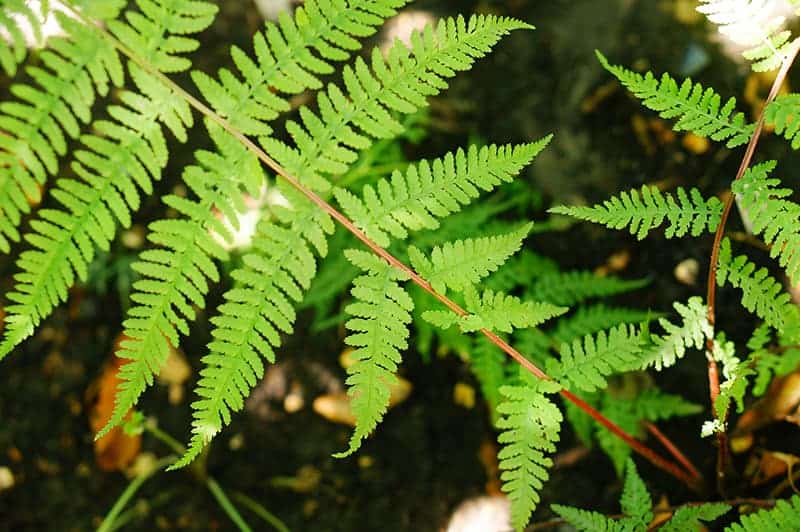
x=778 y=404
x=116 y=450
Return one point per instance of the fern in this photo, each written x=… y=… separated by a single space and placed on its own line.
x=489 y=365
x=782 y=114
x=697 y=109
x=693 y=332
x=597 y=317
x=158 y=320
x=530 y=425
x=495 y=311
x=401 y=82
x=643 y=211
x=14 y=52
x=569 y=288
x=785 y=516
x=637 y=507
x=585 y=365
x=761 y=293
x=379 y=329
x=733 y=387
x=772 y=216
x=458 y=264
x=749 y=23
x=37 y=127
x=433 y=190
x=289 y=58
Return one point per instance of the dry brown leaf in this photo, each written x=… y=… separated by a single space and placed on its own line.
x=779 y=403
x=116 y=450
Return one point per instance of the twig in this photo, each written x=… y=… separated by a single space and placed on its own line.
x=672 y=448
x=713 y=372
x=657 y=460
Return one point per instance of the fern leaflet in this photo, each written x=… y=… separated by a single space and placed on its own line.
x=14 y=52
x=433 y=190
x=495 y=311
x=693 y=517
x=458 y=264
x=643 y=211
x=530 y=426
x=773 y=217
x=594 y=318
x=569 y=288
x=784 y=516
x=761 y=293
x=782 y=114
x=37 y=126
x=749 y=23
x=585 y=365
x=693 y=332
x=697 y=109
x=379 y=330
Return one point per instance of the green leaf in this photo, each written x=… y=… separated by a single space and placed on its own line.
x=693 y=332
x=785 y=516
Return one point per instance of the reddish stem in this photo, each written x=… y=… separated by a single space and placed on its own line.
x=672 y=448
x=691 y=480
x=711 y=288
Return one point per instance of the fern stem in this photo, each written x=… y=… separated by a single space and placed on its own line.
x=711 y=287
x=692 y=480
x=672 y=448
x=226 y=504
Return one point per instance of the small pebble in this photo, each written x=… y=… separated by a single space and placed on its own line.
x=686 y=271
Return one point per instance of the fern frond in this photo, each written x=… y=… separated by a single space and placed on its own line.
x=692 y=517
x=785 y=516
x=289 y=57
x=14 y=49
x=495 y=311
x=733 y=386
x=488 y=363
x=379 y=330
x=530 y=426
x=761 y=293
x=693 y=332
x=35 y=129
x=597 y=317
x=260 y=306
x=772 y=216
x=635 y=500
x=401 y=82
x=131 y=152
x=751 y=23
x=783 y=113
x=176 y=273
x=432 y=190
x=641 y=212
x=569 y=288
x=589 y=521
x=696 y=108
x=654 y=405
x=458 y=264
x=326 y=143
x=585 y=365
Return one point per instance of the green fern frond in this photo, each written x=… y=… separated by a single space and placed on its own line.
x=488 y=363
x=131 y=152
x=692 y=517
x=643 y=211
x=768 y=364
x=37 y=126
x=158 y=33
x=589 y=521
x=697 y=109
x=570 y=288
x=14 y=52
x=597 y=317
x=761 y=293
x=260 y=306
x=495 y=311
x=432 y=190
x=751 y=24
x=783 y=113
x=458 y=264
x=289 y=57
x=326 y=143
x=693 y=332
x=785 y=516
x=772 y=216
x=530 y=426
x=519 y=270
x=654 y=405
x=585 y=365
x=379 y=330
x=635 y=502
x=176 y=273
x=733 y=386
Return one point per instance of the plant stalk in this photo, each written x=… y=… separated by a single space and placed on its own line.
x=692 y=480
x=723 y=458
